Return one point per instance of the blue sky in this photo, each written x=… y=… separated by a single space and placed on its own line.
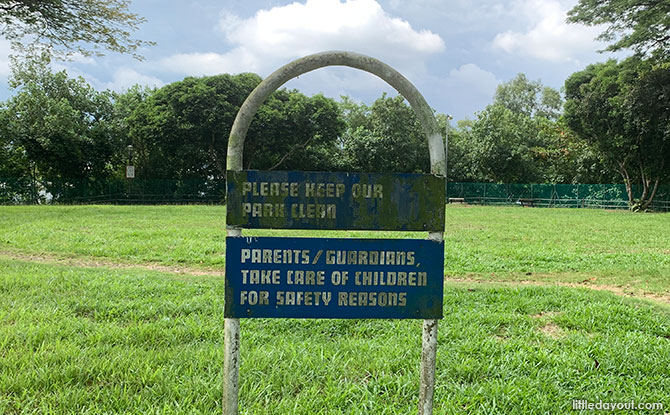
x=456 y=52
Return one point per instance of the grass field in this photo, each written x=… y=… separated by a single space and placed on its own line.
x=79 y=334
x=617 y=248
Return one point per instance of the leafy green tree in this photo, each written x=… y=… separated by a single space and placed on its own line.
x=355 y=114
x=60 y=124
x=460 y=163
x=181 y=131
x=501 y=146
x=622 y=110
x=565 y=158
x=16 y=180
x=13 y=161
x=294 y=132
x=385 y=137
x=641 y=25
x=521 y=137
x=530 y=98
x=65 y=27
x=515 y=138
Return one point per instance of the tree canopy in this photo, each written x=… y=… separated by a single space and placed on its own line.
x=59 y=125
x=622 y=109
x=181 y=130
x=530 y=98
x=58 y=132
x=64 y=27
x=640 y=25
x=385 y=136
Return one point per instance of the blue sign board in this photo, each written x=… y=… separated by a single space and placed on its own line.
x=333 y=278
x=327 y=200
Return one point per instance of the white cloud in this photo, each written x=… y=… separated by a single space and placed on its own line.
x=548 y=37
x=335 y=82
x=198 y=64
x=122 y=78
x=79 y=58
x=474 y=78
x=273 y=37
x=125 y=77
x=466 y=89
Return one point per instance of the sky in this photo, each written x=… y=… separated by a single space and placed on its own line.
x=455 y=52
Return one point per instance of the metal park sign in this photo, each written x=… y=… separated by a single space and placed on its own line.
x=333 y=278
x=291 y=277
x=324 y=200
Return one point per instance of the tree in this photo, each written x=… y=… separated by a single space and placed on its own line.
x=294 y=132
x=565 y=158
x=61 y=125
x=65 y=27
x=13 y=162
x=622 y=109
x=460 y=162
x=385 y=137
x=15 y=174
x=641 y=25
x=501 y=146
x=530 y=98
x=516 y=138
x=181 y=131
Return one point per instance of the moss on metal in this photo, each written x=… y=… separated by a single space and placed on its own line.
x=410 y=202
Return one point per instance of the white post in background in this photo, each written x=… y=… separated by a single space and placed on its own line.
x=231 y=358
x=446 y=138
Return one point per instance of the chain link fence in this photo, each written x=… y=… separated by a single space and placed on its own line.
x=164 y=191
x=604 y=196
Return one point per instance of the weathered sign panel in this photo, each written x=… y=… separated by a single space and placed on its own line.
x=328 y=200
x=333 y=278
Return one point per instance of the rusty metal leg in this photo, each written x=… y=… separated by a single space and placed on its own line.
x=231 y=366
x=428 y=360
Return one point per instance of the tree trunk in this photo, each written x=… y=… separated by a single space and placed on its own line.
x=645 y=186
x=214 y=156
x=626 y=179
x=647 y=203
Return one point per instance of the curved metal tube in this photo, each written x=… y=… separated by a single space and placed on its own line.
x=309 y=63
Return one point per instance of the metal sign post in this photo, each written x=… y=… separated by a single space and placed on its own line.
x=334 y=278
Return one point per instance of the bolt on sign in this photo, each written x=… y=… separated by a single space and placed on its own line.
x=292 y=277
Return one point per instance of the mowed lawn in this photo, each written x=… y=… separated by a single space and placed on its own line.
x=492 y=243
x=81 y=339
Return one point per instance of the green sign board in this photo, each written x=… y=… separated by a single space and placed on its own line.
x=328 y=200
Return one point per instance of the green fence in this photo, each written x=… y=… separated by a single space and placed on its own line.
x=163 y=191
x=606 y=196
x=116 y=191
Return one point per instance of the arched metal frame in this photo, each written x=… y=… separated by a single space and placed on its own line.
x=438 y=166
